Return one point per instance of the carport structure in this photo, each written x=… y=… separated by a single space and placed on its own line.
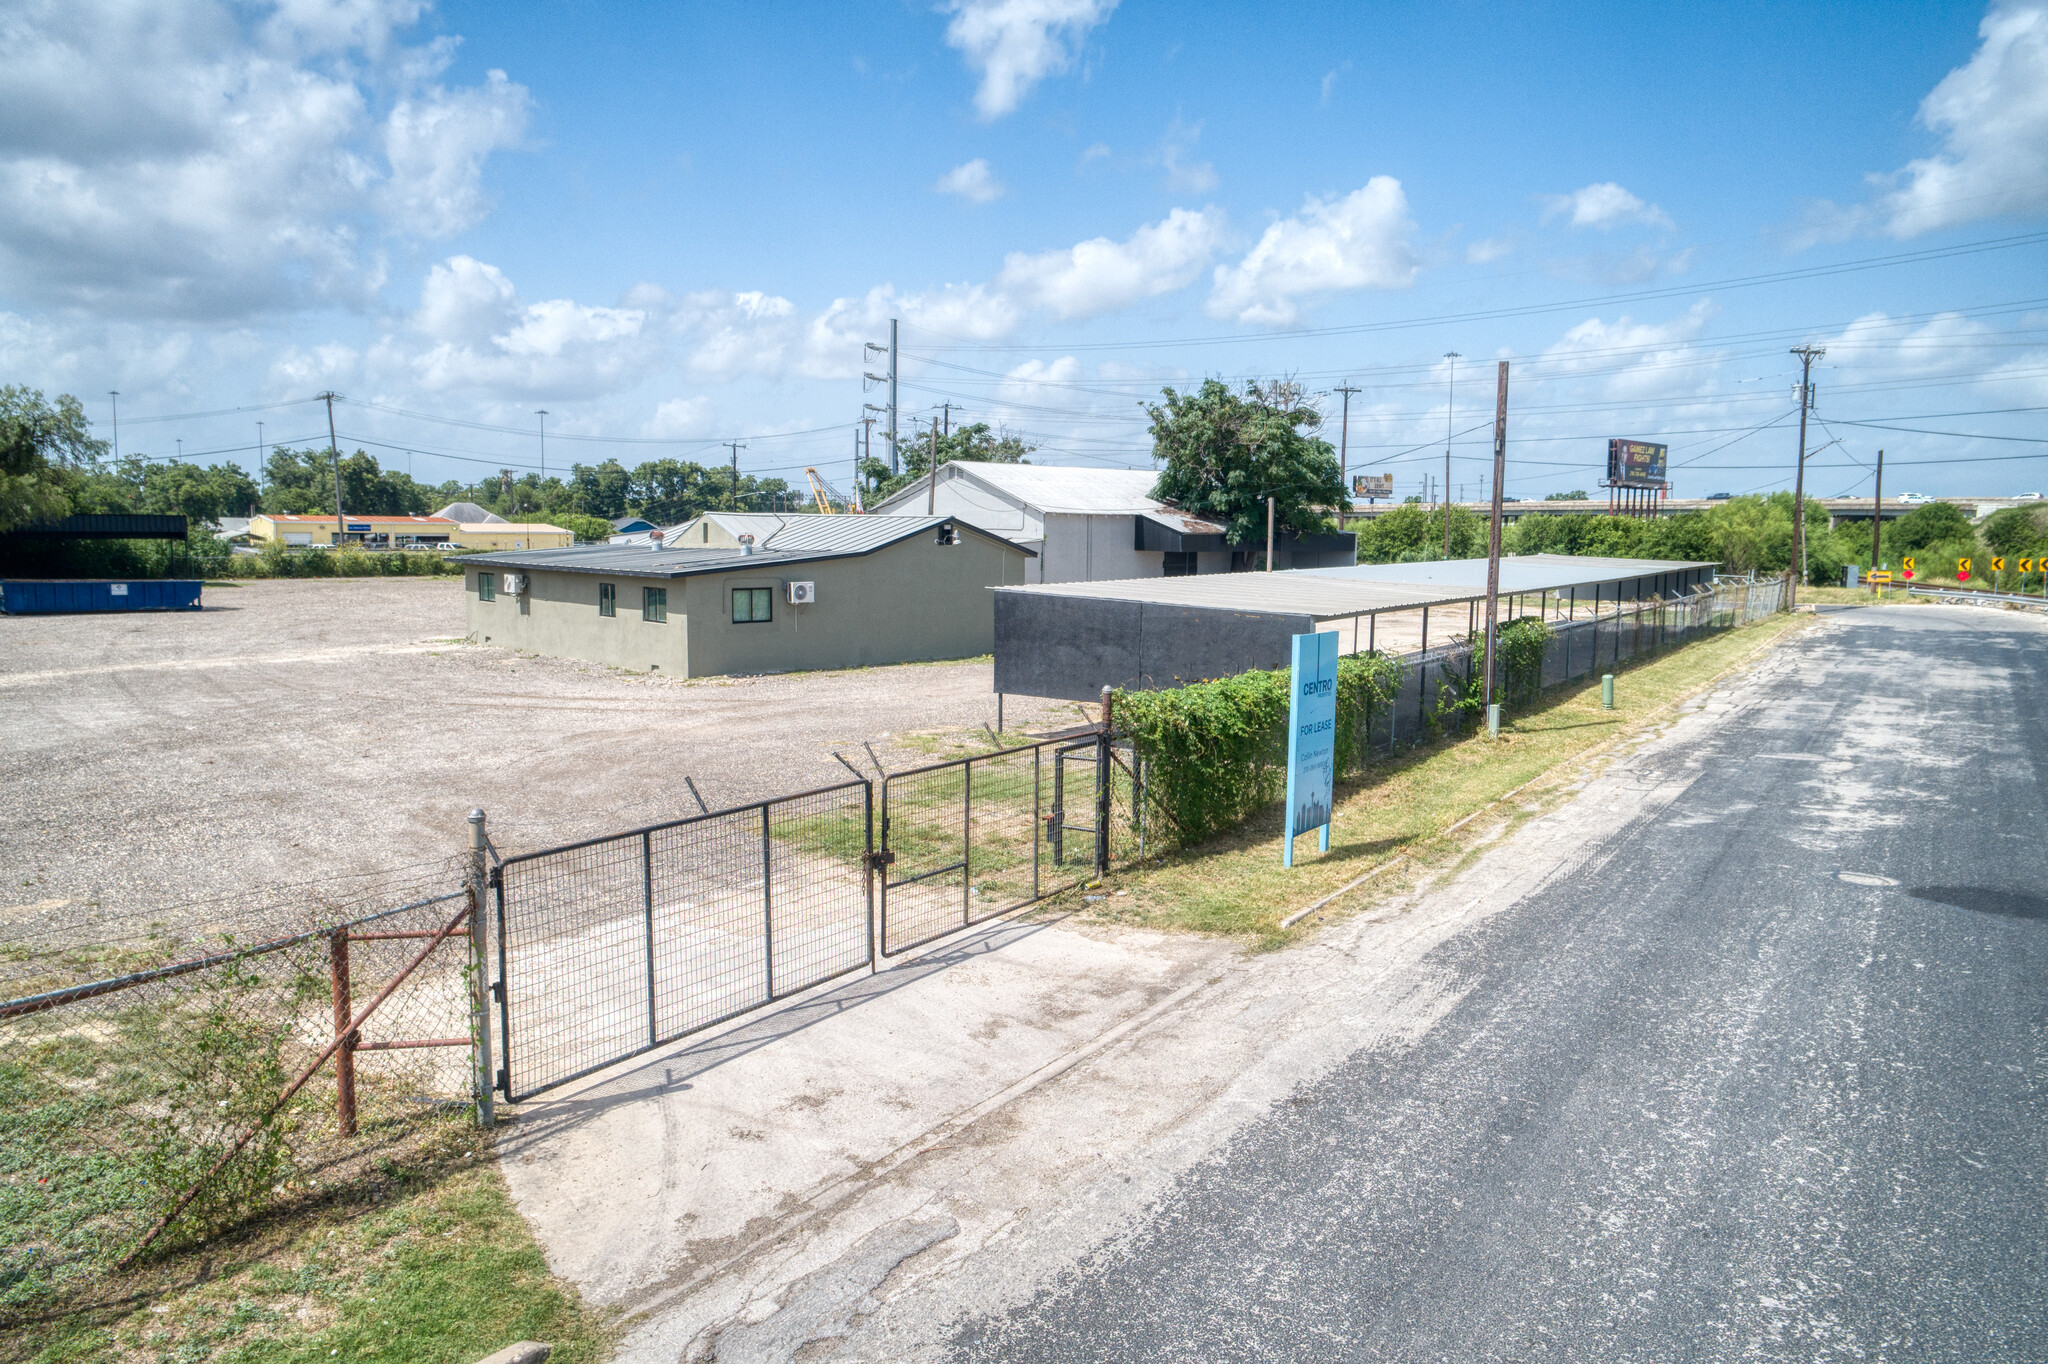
x=1069 y=640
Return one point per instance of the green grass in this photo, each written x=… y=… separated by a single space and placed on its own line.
x=420 y=1258
x=1401 y=806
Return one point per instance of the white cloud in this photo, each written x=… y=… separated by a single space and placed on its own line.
x=1175 y=154
x=197 y=158
x=1357 y=242
x=1099 y=275
x=1488 y=251
x=485 y=340
x=1992 y=117
x=1024 y=386
x=437 y=145
x=972 y=181
x=1330 y=80
x=1647 y=359
x=1014 y=44
x=1604 y=206
x=680 y=418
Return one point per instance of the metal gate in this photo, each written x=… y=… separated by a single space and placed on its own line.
x=609 y=947
x=966 y=840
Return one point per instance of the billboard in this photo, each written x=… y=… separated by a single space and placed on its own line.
x=1636 y=463
x=1371 y=486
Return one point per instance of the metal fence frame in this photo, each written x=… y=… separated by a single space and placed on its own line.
x=519 y=927
x=1049 y=830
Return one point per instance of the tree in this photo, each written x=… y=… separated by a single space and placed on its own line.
x=203 y=495
x=1575 y=495
x=2016 y=530
x=975 y=444
x=593 y=529
x=43 y=448
x=1411 y=532
x=1225 y=453
x=601 y=490
x=1931 y=523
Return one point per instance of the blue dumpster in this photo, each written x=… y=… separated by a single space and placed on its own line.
x=33 y=597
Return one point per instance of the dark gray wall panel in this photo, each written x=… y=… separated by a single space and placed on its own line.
x=1071 y=647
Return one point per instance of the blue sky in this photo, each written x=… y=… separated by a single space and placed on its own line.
x=671 y=226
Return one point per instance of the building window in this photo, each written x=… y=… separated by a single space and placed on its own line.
x=752 y=605
x=1180 y=563
x=654 y=604
x=607 y=599
x=486 y=587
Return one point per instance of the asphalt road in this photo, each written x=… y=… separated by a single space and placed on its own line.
x=1704 y=1099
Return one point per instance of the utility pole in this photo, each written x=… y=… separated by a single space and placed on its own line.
x=1344 y=448
x=1450 y=401
x=931 y=475
x=1877 y=513
x=1269 y=535
x=735 y=446
x=948 y=409
x=261 y=462
x=334 y=453
x=1807 y=355
x=115 y=396
x=888 y=431
x=1500 y=468
x=543 y=415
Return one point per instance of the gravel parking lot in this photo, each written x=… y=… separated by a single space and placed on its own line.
x=153 y=765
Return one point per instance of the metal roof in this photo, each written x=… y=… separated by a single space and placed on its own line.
x=810 y=545
x=1333 y=593
x=1049 y=488
x=467 y=513
x=1518 y=572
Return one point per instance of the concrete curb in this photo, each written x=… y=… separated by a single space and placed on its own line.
x=520 y=1352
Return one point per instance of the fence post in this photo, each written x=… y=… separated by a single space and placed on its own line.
x=647 y=907
x=345 y=1053
x=479 y=973
x=1104 y=774
x=767 y=904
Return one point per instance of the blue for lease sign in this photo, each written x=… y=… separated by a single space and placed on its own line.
x=1311 y=739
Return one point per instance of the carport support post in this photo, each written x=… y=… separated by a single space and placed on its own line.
x=1102 y=784
x=479 y=988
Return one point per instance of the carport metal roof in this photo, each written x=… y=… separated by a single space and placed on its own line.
x=1335 y=593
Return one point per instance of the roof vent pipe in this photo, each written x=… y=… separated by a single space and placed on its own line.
x=654 y=541
x=746 y=545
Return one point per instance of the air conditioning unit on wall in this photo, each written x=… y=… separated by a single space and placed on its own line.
x=803 y=594
x=515 y=584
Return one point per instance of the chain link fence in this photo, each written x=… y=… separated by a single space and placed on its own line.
x=120 y=1094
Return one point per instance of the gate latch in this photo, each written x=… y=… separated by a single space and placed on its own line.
x=880 y=858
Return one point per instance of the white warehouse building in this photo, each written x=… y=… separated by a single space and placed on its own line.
x=1092 y=525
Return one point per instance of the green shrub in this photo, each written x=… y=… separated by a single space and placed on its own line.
x=1217 y=750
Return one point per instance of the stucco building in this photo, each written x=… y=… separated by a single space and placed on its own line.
x=734 y=593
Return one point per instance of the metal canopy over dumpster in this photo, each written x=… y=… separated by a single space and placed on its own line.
x=1069 y=640
x=124 y=527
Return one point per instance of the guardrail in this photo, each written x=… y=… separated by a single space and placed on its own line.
x=1961 y=594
